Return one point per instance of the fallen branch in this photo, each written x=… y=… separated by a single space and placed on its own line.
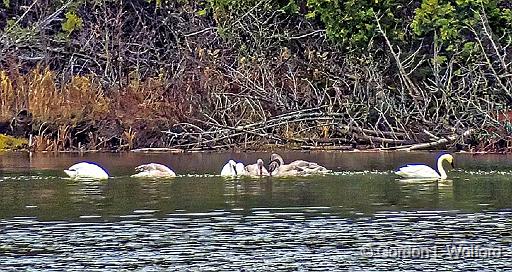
x=327 y=147
x=436 y=143
x=158 y=149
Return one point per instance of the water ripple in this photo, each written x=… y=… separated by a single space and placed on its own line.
x=299 y=239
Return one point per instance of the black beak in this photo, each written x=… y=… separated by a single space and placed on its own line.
x=261 y=170
x=452 y=164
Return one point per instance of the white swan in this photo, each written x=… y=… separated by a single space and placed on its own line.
x=257 y=169
x=426 y=172
x=153 y=170
x=86 y=170
x=277 y=167
x=232 y=169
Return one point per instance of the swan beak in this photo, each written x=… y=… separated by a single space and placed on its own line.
x=261 y=169
x=452 y=164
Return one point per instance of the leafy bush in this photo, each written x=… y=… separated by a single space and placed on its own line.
x=353 y=24
x=455 y=22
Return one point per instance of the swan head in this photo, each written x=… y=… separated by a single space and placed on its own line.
x=272 y=167
x=276 y=157
x=259 y=162
x=275 y=162
x=71 y=173
x=448 y=158
x=232 y=164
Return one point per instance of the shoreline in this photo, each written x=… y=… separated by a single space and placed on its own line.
x=303 y=76
x=181 y=151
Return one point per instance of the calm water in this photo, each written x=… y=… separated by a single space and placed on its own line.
x=360 y=217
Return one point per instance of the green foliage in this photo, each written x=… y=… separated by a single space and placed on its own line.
x=10 y=143
x=291 y=7
x=21 y=34
x=201 y=12
x=352 y=22
x=71 y=23
x=433 y=15
x=506 y=15
x=452 y=21
x=7 y=3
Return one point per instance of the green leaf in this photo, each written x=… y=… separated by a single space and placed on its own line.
x=439 y=59
x=201 y=12
x=310 y=15
x=73 y=22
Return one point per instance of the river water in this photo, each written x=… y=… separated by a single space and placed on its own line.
x=360 y=217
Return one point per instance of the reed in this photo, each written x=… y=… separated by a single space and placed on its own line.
x=83 y=98
x=48 y=100
x=7 y=95
x=59 y=108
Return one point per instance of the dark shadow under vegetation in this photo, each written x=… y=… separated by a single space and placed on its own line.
x=253 y=74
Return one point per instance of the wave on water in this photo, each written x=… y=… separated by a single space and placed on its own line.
x=332 y=173
x=354 y=173
x=46 y=176
x=484 y=172
x=199 y=175
x=26 y=177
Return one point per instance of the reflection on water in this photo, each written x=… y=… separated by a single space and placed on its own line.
x=360 y=217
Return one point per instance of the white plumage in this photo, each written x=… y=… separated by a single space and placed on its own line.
x=232 y=169
x=277 y=167
x=153 y=170
x=424 y=171
x=86 y=170
x=257 y=169
x=417 y=170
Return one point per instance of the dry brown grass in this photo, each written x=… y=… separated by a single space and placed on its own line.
x=59 y=107
x=40 y=93
x=8 y=96
x=129 y=137
x=147 y=100
x=82 y=98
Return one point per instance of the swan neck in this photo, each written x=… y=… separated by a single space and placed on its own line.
x=281 y=161
x=278 y=158
x=440 y=168
x=273 y=167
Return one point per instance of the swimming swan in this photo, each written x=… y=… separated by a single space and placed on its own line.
x=257 y=169
x=232 y=169
x=423 y=171
x=86 y=170
x=277 y=167
x=153 y=170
